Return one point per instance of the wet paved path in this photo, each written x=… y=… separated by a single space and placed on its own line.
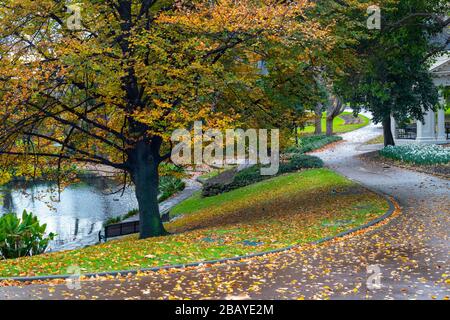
x=192 y=186
x=411 y=252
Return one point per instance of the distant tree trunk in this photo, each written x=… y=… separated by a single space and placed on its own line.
x=144 y=161
x=330 y=121
x=295 y=129
x=387 y=132
x=335 y=108
x=318 y=119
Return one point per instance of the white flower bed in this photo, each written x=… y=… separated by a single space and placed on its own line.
x=421 y=154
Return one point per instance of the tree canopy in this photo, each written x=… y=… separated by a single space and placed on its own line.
x=111 y=91
x=393 y=78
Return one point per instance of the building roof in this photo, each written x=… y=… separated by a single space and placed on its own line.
x=440 y=64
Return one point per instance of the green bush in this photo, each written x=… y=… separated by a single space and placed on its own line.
x=169 y=169
x=168 y=186
x=311 y=143
x=248 y=176
x=301 y=161
x=419 y=154
x=220 y=183
x=233 y=179
x=22 y=237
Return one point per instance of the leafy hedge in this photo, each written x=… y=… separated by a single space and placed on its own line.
x=419 y=154
x=311 y=143
x=168 y=186
x=301 y=161
x=233 y=179
x=169 y=169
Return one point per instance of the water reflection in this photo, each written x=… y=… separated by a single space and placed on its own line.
x=76 y=215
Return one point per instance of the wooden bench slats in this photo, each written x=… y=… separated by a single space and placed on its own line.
x=126 y=228
x=119 y=229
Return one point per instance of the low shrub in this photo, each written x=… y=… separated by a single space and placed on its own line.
x=233 y=179
x=170 y=169
x=168 y=186
x=221 y=183
x=419 y=154
x=22 y=237
x=301 y=161
x=311 y=143
x=249 y=175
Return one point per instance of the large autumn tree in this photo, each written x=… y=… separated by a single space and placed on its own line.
x=111 y=90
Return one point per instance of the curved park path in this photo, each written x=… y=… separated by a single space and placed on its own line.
x=411 y=251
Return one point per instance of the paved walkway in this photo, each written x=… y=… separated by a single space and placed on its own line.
x=411 y=252
x=192 y=186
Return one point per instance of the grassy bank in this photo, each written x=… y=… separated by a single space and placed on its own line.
x=339 y=125
x=290 y=209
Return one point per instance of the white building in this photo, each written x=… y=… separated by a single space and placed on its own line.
x=434 y=129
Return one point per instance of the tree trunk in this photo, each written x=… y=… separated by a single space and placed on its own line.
x=335 y=108
x=318 y=124
x=387 y=132
x=318 y=119
x=144 y=173
x=330 y=126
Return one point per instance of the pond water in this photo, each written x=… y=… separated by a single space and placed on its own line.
x=76 y=215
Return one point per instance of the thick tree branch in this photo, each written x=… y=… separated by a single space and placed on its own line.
x=73 y=148
x=76 y=126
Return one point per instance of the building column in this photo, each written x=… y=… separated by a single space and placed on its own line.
x=441 y=136
x=393 y=127
x=426 y=131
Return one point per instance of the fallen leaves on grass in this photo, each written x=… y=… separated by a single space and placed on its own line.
x=289 y=210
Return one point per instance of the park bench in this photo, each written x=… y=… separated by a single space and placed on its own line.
x=125 y=228
x=407 y=132
x=119 y=229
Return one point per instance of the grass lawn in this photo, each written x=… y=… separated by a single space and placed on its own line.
x=290 y=209
x=339 y=125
